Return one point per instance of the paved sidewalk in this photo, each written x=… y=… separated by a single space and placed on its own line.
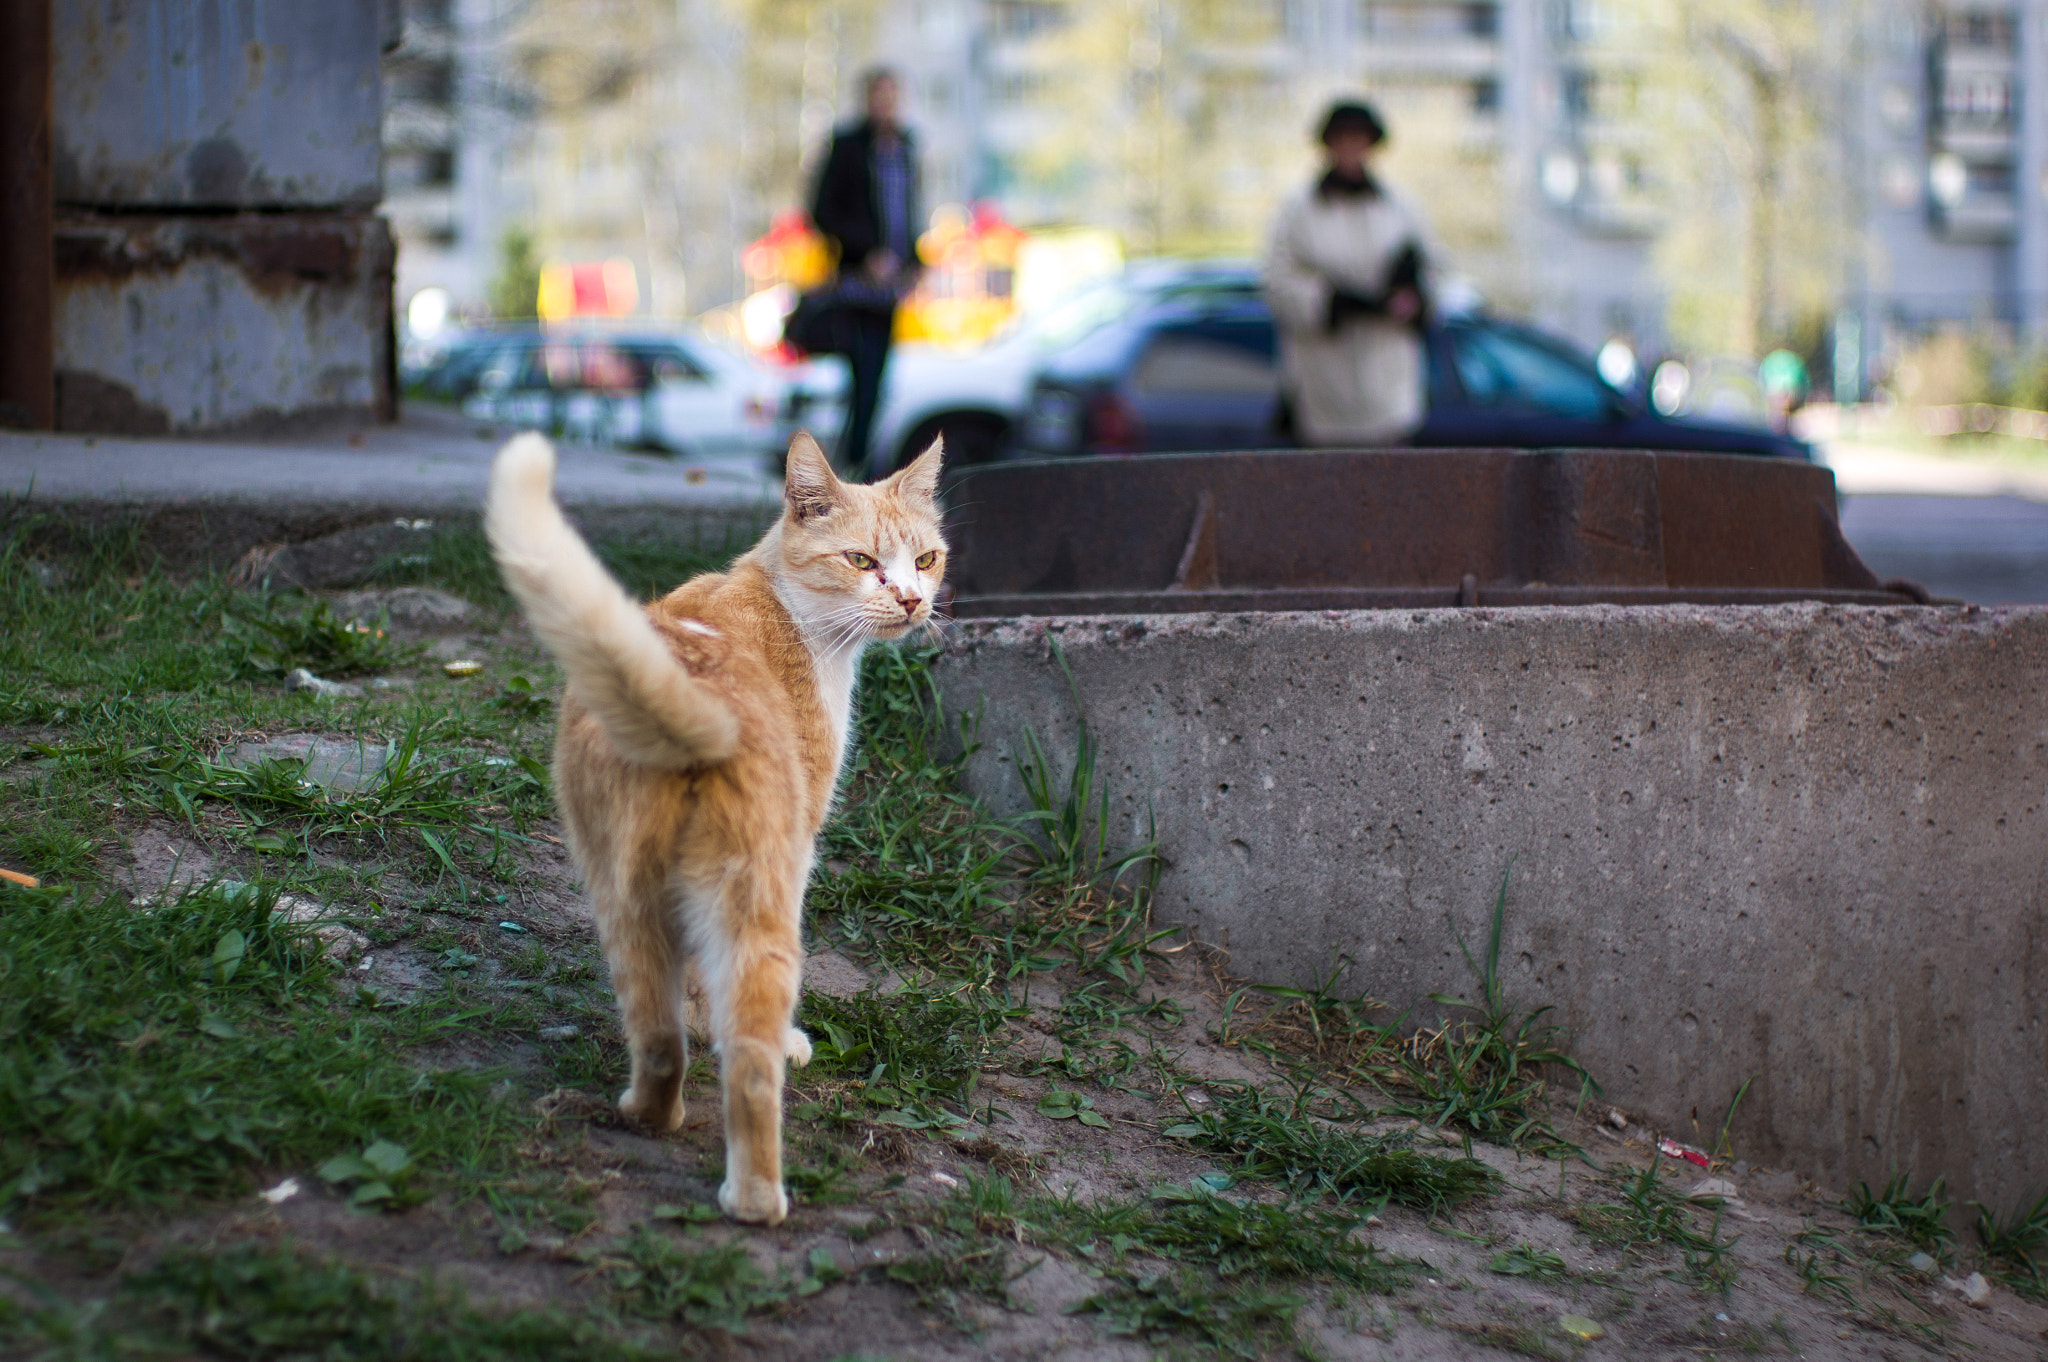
x=433 y=460
x=1877 y=470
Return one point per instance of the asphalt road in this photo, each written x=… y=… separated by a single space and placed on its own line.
x=1970 y=530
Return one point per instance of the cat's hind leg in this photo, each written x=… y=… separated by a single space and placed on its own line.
x=751 y=976
x=643 y=941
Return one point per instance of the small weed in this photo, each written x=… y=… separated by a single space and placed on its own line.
x=914 y=1051
x=1282 y=1138
x=271 y=638
x=1920 y=1220
x=1650 y=1214
x=1246 y=1322
x=1486 y=1076
x=1197 y=1227
x=1526 y=1260
x=2017 y=1242
x=1515 y=1338
x=954 y=1269
x=713 y=1287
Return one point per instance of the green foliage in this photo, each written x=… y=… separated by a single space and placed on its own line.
x=1247 y=1322
x=275 y=634
x=160 y=1052
x=1526 y=1260
x=1921 y=1220
x=1284 y=1138
x=1486 y=1075
x=1196 y=1226
x=715 y=1287
x=1651 y=1215
x=256 y=1301
x=930 y=881
x=515 y=288
x=2017 y=1241
x=915 y=1051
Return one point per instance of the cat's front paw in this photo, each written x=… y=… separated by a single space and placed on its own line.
x=797 y=1046
x=758 y=1203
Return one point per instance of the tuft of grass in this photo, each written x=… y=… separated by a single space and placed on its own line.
x=914 y=1051
x=147 y=1054
x=1526 y=1260
x=1196 y=1226
x=1650 y=1214
x=1486 y=1076
x=257 y=1301
x=918 y=874
x=709 y=1286
x=1247 y=1322
x=1283 y=1138
x=1892 y=1211
x=2017 y=1241
x=274 y=634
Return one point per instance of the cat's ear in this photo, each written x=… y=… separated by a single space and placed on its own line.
x=919 y=479
x=809 y=487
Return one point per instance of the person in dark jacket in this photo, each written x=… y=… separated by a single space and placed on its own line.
x=867 y=204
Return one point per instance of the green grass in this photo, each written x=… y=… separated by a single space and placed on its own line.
x=257 y=1301
x=1890 y=1210
x=1284 y=1138
x=161 y=1053
x=2017 y=1243
x=916 y=1054
x=1652 y=1216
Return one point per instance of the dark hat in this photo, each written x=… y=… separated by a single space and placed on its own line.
x=1352 y=116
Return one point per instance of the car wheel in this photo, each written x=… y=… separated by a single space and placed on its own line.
x=971 y=438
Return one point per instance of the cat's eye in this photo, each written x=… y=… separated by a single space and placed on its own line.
x=860 y=560
x=926 y=559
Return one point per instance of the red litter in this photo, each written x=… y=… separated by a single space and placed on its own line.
x=1673 y=1149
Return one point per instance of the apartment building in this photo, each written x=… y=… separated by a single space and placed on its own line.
x=1531 y=132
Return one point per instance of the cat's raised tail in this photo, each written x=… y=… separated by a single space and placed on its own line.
x=619 y=666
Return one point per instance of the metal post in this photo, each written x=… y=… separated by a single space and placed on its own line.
x=28 y=382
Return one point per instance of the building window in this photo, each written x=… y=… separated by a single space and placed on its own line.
x=1977 y=102
x=1486 y=96
x=1979 y=28
x=1026 y=18
x=1418 y=21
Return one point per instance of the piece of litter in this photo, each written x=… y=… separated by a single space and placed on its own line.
x=1708 y=1188
x=695 y=476
x=1578 y=1326
x=1923 y=1263
x=1616 y=1119
x=1722 y=1316
x=560 y=1032
x=298 y=678
x=510 y=927
x=368 y=961
x=945 y=1179
x=462 y=666
x=283 y=1192
x=1973 y=1288
x=1374 y=1220
x=16 y=877
x=1673 y=1149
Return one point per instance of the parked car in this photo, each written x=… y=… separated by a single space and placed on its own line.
x=1199 y=371
x=661 y=390
x=974 y=398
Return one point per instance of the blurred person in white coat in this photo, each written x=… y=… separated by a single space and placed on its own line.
x=1346 y=276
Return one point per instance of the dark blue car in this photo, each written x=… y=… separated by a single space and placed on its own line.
x=1199 y=370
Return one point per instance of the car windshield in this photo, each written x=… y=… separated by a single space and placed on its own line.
x=1501 y=369
x=1094 y=307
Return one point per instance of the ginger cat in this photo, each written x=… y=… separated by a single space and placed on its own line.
x=700 y=743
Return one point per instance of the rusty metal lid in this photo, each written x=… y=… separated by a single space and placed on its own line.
x=1401 y=528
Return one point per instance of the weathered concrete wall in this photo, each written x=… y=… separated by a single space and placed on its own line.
x=218 y=103
x=172 y=324
x=179 y=306
x=1804 y=843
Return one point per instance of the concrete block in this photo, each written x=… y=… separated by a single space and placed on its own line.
x=218 y=104
x=1803 y=844
x=184 y=324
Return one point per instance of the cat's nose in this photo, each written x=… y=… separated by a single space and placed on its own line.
x=909 y=602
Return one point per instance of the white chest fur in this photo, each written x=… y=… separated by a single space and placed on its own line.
x=836 y=671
